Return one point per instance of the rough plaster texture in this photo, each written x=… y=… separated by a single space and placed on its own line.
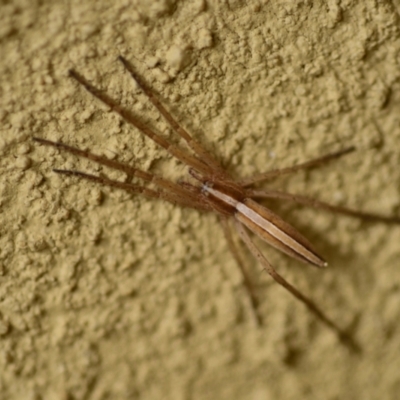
x=108 y=296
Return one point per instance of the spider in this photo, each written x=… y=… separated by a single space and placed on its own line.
x=216 y=191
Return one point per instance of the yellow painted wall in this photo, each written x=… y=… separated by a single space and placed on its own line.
x=104 y=295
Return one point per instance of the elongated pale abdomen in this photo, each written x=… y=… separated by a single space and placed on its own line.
x=269 y=227
x=275 y=231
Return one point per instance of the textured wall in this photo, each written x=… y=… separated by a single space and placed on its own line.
x=104 y=295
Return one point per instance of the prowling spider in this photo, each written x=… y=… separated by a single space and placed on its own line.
x=218 y=192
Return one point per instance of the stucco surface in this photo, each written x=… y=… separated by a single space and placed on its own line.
x=104 y=295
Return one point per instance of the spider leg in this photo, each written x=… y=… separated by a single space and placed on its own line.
x=193 y=144
x=343 y=336
x=173 y=198
x=175 y=151
x=246 y=278
x=275 y=173
x=310 y=202
x=129 y=170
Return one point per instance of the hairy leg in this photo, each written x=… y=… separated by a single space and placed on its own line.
x=136 y=189
x=343 y=336
x=176 y=188
x=194 y=145
x=175 y=151
x=310 y=202
x=275 y=173
x=246 y=278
